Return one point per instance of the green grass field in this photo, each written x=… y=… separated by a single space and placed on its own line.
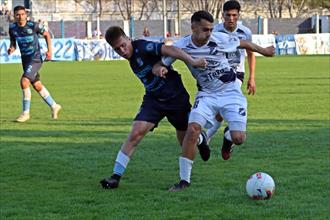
x=51 y=169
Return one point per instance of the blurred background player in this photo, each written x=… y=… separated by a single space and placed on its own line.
x=26 y=34
x=231 y=12
x=218 y=89
x=164 y=97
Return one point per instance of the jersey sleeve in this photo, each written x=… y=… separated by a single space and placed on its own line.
x=248 y=35
x=12 y=37
x=39 y=28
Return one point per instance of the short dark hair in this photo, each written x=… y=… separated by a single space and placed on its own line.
x=199 y=15
x=18 y=8
x=230 y=5
x=113 y=33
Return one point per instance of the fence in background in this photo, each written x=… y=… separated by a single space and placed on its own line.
x=70 y=49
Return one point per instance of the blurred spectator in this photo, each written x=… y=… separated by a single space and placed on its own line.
x=146 y=32
x=274 y=32
x=4 y=9
x=96 y=34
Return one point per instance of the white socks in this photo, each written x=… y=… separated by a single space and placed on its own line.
x=227 y=135
x=185 y=168
x=47 y=97
x=26 y=100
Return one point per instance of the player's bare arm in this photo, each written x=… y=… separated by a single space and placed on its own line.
x=181 y=55
x=47 y=37
x=267 y=51
x=251 y=85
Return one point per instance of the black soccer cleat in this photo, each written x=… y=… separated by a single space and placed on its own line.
x=227 y=147
x=179 y=186
x=111 y=183
x=204 y=149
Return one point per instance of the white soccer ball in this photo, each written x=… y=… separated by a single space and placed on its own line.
x=260 y=186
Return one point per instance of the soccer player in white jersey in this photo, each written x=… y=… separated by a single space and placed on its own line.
x=219 y=88
x=231 y=10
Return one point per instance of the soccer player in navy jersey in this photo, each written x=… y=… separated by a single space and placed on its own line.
x=26 y=34
x=164 y=97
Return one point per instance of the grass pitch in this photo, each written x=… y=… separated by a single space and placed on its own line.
x=51 y=169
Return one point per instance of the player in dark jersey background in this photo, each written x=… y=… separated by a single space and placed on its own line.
x=26 y=34
x=164 y=97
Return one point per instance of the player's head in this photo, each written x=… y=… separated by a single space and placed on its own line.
x=119 y=41
x=201 y=26
x=20 y=14
x=230 y=14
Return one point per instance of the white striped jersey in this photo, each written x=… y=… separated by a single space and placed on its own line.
x=236 y=59
x=218 y=75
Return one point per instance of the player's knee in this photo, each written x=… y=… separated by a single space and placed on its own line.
x=238 y=138
x=37 y=86
x=25 y=82
x=135 y=136
x=194 y=130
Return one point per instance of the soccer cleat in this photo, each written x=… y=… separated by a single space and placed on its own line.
x=204 y=149
x=55 y=111
x=23 y=117
x=227 y=147
x=111 y=183
x=179 y=186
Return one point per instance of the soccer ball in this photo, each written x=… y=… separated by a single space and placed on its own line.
x=260 y=186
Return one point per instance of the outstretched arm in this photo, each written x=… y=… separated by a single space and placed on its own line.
x=267 y=51
x=251 y=84
x=177 y=53
x=48 y=39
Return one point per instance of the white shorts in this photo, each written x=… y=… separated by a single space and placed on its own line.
x=231 y=105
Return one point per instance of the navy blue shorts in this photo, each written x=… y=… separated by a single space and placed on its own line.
x=176 y=110
x=31 y=70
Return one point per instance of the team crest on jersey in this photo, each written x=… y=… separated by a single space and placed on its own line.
x=150 y=47
x=139 y=61
x=242 y=111
x=29 y=31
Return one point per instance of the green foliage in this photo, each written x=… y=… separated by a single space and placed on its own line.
x=51 y=169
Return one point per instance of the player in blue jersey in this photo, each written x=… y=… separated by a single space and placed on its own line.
x=231 y=10
x=26 y=34
x=164 y=97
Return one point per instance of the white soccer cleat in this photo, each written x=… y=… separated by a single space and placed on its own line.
x=23 y=117
x=55 y=111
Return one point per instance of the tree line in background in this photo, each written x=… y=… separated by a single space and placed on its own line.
x=144 y=9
